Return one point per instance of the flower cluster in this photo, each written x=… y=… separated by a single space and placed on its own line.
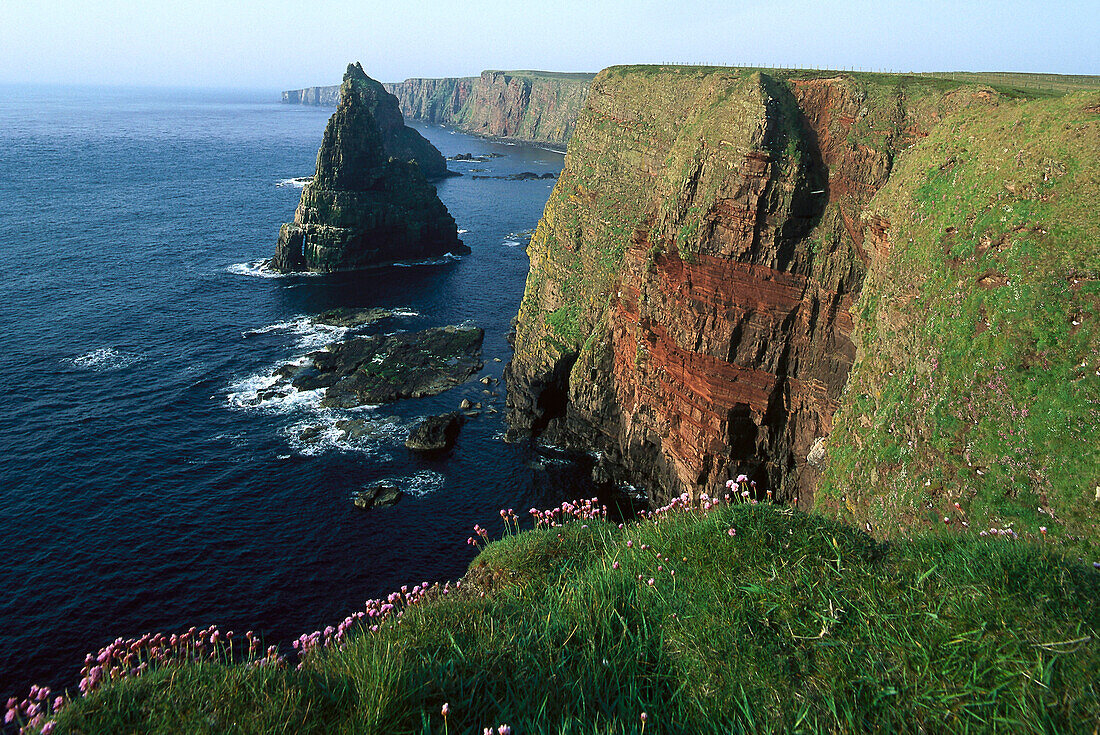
x=371 y=617
x=580 y=510
x=134 y=656
x=1001 y=532
x=36 y=710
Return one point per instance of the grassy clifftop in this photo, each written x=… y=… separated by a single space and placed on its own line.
x=977 y=378
x=749 y=618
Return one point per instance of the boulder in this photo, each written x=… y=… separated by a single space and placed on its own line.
x=379 y=495
x=436 y=433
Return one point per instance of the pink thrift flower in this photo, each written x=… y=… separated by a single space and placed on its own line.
x=446 y=709
x=615 y=565
x=732 y=532
x=650 y=583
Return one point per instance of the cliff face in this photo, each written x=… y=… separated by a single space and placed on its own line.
x=686 y=314
x=539 y=107
x=976 y=392
x=368 y=203
x=323 y=96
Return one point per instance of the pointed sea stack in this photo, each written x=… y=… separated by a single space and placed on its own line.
x=369 y=203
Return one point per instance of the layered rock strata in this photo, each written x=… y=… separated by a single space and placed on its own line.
x=531 y=106
x=368 y=203
x=687 y=311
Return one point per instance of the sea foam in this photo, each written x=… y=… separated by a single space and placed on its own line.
x=103 y=359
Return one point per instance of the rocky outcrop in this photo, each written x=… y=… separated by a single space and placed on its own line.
x=380 y=495
x=368 y=203
x=532 y=106
x=436 y=433
x=687 y=310
x=383 y=368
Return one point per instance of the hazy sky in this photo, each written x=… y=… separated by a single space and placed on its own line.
x=282 y=44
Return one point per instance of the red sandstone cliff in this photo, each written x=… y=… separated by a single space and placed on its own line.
x=687 y=311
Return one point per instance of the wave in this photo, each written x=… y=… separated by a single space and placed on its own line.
x=256 y=268
x=511 y=243
x=271 y=392
x=350 y=430
x=103 y=359
x=298 y=182
x=312 y=336
x=463 y=232
x=406 y=313
x=422 y=483
x=442 y=260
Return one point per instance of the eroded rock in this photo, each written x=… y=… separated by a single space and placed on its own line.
x=380 y=495
x=383 y=368
x=436 y=433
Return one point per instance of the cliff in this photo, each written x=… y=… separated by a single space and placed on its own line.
x=368 y=202
x=531 y=106
x=322 y=96
x=975 y=396
x=687 y=310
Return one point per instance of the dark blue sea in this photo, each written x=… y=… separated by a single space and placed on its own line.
x=140 y=488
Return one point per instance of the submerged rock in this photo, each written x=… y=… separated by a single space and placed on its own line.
x=522 y=176
x=350 y=317
x=377 y=496
x=436 y=433
x=369 y=203
x=383 y=368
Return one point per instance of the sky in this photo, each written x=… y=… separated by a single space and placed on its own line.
x=285 y=44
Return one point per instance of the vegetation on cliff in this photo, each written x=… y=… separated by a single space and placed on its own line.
x=975 y=396
x=686 y=313
x=733 y=617
x=368 y=202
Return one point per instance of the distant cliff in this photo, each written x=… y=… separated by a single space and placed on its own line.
x=532 y=106
x=368 y=202
x=323 y=96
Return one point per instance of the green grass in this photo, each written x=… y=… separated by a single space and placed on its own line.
x=978 y=377
x=796 y=624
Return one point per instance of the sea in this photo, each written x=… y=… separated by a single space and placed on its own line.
x=145 y=485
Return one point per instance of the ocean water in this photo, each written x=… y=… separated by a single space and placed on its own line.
x=139 y=488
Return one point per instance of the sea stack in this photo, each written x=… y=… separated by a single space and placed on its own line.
x=369 y=202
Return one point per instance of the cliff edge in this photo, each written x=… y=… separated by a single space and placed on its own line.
x=695 y=289
x=974 y=402
x=368 y=203
x=687 y=310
